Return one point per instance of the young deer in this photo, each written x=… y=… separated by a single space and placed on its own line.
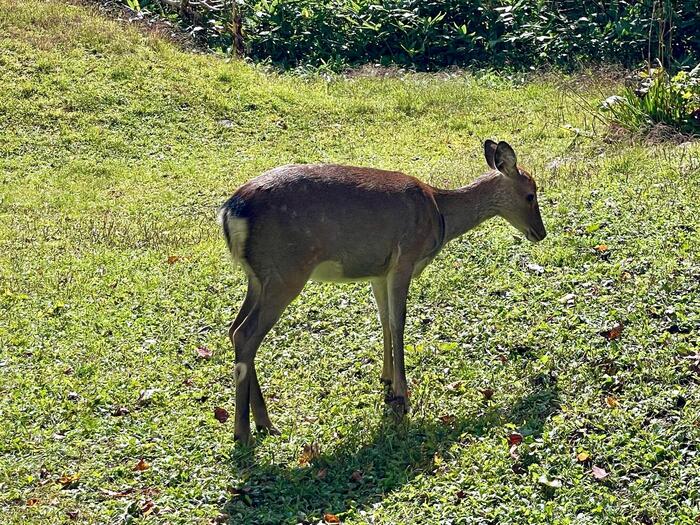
x=341 y=223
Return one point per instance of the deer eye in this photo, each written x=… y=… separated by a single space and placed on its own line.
x=530 y=197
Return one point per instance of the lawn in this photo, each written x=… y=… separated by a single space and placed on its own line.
x=530 y=403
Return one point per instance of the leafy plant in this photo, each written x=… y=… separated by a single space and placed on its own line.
x=429 y=34
x=658 y=98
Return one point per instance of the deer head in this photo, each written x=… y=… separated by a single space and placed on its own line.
x=517 y=201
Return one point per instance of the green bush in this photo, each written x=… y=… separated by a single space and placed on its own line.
x=659 y=98
x=429 y=34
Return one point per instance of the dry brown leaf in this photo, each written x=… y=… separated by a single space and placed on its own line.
x=141 y=466
x=221 y=415
x=308 y=453
x=457 y=386
x=487 y=393
x=322 y=473
x=32 y=502
x=120 y=493
x=614 y=333
x=331 y=518
x=611 y=401
x=204 y=353
x=601 y=248
x=582 y=456
x=448 y=419
x=515 y=439
x=599 y=473
x=69 y=480
x=357 y=476
x=172 y=259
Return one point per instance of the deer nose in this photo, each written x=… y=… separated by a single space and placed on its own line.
x=536 y=235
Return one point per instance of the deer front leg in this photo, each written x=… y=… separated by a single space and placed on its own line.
x=398 y=285
x=379 y=288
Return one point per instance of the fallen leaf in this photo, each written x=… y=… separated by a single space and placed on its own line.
x=147 y=507
x=322 y=473
x=356 y=476
x=141 y=466
x=204 y=353
x=118 y=494
x=69 y=480
x=515 y=439
x=487 y=393
x=599 y=473
x=614 y=333
x=221 y=415
x=457 y=386
x=32 y=502
x=308 y=453
x=611 y=401
x=447 y=419
x=172 y=259
x=601 y=248
x=582 y=456
x=331 y=518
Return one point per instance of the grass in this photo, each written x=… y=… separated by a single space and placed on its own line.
x=115 y=151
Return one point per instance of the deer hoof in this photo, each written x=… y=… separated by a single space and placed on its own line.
x=267 y=431
x=399 y=406
x=243 y=438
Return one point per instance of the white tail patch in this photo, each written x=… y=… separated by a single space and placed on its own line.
x=238 y=234
x=237 y=237
x=239 y=372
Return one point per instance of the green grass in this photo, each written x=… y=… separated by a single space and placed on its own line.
x=115 y=151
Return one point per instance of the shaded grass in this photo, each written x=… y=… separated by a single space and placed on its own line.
x=115 y=151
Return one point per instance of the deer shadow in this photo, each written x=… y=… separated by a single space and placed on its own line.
x=355 y=476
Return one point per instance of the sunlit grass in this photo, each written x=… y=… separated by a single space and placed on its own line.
x=116 y=150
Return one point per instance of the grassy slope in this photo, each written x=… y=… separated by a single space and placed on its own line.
x=115 y=151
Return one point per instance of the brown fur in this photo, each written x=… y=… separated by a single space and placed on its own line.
x=351 y=223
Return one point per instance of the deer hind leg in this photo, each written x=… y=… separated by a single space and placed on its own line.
x=398 y=284
x=379 y=289
x=267 y=309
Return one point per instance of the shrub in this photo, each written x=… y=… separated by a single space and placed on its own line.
x=429 y=34
x=658 y=99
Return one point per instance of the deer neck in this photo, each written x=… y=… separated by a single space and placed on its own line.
x=467 y=207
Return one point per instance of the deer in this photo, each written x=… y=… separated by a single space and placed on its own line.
x=327 y=222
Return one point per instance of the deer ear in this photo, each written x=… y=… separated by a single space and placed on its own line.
x=489 y=152
x=505 y=159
